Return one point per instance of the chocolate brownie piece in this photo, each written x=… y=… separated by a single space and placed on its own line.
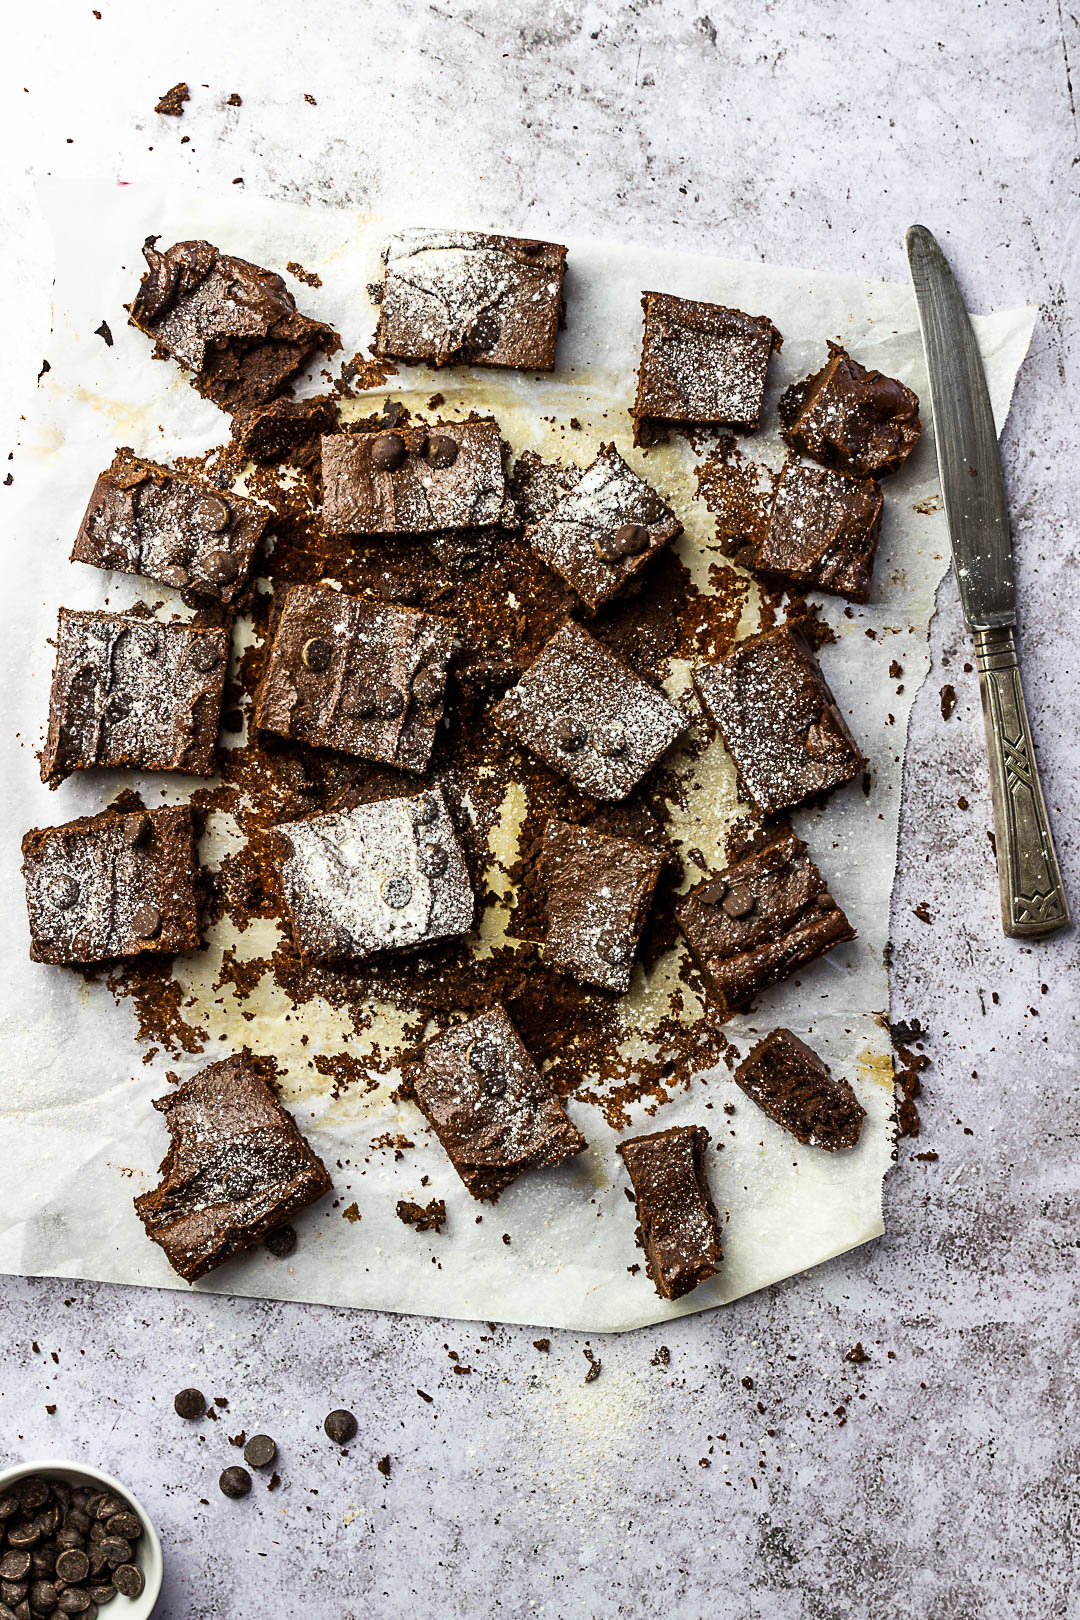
x=855 y=420
x=588 y=716
x=112 y=885
x=268 y=433
x=233 y=325
x=598 y=890
x=679 y=1228
x=759 y=920
x=377 y=878
x=145 y=519
x=604 y=530
x=465 y=298
x=367 y=678
x=237 y=1168
x=132 y=693
x=789 y=1082
x=489 y=1105
x=536 y=485
x=702 y=365
x=773 y=708
x=415 y=480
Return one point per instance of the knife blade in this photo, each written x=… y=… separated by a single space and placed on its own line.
x=1032 y=895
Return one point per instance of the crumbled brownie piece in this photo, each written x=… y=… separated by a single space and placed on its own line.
x=145 y=519
x=855 y=420
x=604 y=530
x=537 y=485
x=701 y=365
x=112 y=885
x=759 y=920
x=466 y=298
x=367 y=678
x=233 y=325
x=134 y=694
x=489 y=1105
x=172 y=102
x=774 y=710
x=429 y=1217
x=589 y=716
x=599 y=890
x=790 y=1083
x=270 y=432
x=377 y=878
x=415 y=480
x=679 y=1228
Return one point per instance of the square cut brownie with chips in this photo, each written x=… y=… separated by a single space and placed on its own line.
x=598 y=891
x=368 y=678
x=788 y=1081
x=489 y=1105
x=415 y=480
x=377 y=878
x=847 y=417
x=604 y=530
x=679 y=1228
x=702 y=365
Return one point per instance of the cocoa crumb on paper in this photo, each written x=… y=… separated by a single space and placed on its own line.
x=172 y=102
x=947 y=696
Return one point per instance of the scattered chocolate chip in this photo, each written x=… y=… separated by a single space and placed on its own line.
x=391 y=704
x=281 y=1243
x=739 y=901
x=316 y=654
x=235 y=1482
x=260 y=1451
x=147 y=921
x=190 y=1403
x=442 y=451
x=713 y=893
x=388 y=452
x=340 y=1426
x=204 y=654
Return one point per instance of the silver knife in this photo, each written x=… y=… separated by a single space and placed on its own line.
x=1032 y=896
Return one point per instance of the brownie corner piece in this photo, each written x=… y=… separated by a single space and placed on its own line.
x=852 y=419
x=773 y=707
x=789 y=1082
x=702 y=365
x=488 y=1103
x=452 y=297
x=237 y=1167
x=270 y=432
x=822 y=531
x=598 y=892
x=679 y=1228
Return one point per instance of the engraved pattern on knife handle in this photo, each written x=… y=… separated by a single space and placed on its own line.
x=1032 y=895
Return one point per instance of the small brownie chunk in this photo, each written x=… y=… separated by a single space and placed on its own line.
x=367 y=678
x=679 y=1228
x=790 y=1083
x=773 y=708
x=855 y=420
x=760 y=920
x=466 y=298
x=415 y=480
x=144 y=519
x=232 y=324
x=489 y=1105
x=237 y=1168
x=823 y=531
x=702 y=365
x=112 y=885
x=268 y=433
x=377 y=878
x=599 y=890
x=605 y=530
x=134 y=694
x=588 y=716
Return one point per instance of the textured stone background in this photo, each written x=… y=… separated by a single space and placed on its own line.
x=936 y=1479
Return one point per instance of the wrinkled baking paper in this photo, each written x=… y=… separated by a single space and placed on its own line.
x=78 y=1137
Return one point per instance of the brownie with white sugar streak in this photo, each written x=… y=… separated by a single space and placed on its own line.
x=598 y=891
x=702 y=365
x=679 y=1228
x=415 y=480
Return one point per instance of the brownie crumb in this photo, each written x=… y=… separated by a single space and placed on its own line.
x=422 y=1217
x=383 y=1465
x=857 y=1354
x=595 y=1365
x=233 y=100
x=308 y=277
x=104 y=331
x=543 y=1345
x=948 y=701
x=172 y=102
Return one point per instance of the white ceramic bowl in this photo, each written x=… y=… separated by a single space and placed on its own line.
x=148 y=1555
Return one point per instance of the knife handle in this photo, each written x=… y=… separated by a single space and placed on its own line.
x=1032 y=895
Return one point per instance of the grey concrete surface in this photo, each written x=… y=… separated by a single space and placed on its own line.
x=937 y=1478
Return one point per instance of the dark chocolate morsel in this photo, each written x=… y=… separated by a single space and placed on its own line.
x=190 y=1403
x=147 y=921
x=482 y=1055
x=42 y=1597
x=234 y=1482
x=613 y=747
x=220 y=566
x=174 y=575
x=434 y=860
x=204 y=654
x=632 y=539
x=316 y=654
x=128 y=1580
x=571 y=738
x=397 y=891
x=361 y=702
x=712 y=893
x=65 y=892
x=15 y=1564
x=340 y=1426
x=124 y=1524
x=73 y=1566
x=388 y=452
x=442 y=451
x=281 y=1243
x=260 y=1451
x=391 y=704
x=608 y=547
x=739 y=901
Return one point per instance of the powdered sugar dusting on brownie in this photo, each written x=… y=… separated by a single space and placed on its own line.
x=702 y=363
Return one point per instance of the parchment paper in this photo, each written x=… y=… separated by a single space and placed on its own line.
x=78 y=1137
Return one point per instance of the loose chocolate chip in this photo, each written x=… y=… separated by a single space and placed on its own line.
x=387 y=453
x=340 y=1427
x=13 y=1591
x=7 y=1613
x=99 y=1565
x=204 y=654
x=128 y=1580
x=632 y=539
x=72 y=1566
x=65 y=892
x=260 y=1451
x=281 y=1243
x=70 y=1537
x=316 y=654
x=391 y=704
x=15 y=1565
x=739 y=901
x=570 y=737
x=234 y=1482
x=124 y=1524
x=190 y=1403
x=397 y=891
x=434 y=860
x=220 y=566
x=147 y=921
x=42 y=1597
x=442 y=450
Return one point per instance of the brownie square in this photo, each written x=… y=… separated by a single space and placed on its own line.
x=789 y=1082
x=604 y=530
x=588 y=716
x=237 y=1168
x=599 y=890
x=112 y=885
x=489 y=1105
x=132 y=693
x=822 y=531
x=466 y=298
x=855 y=420
x=415 y=480
x=759 y=920
x=378 y=878
x=145 y=519
x=269 y=433
x=233 y=325
x=367 y=678
x=679 y=1228
x=702 y=365
x=774 y=710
